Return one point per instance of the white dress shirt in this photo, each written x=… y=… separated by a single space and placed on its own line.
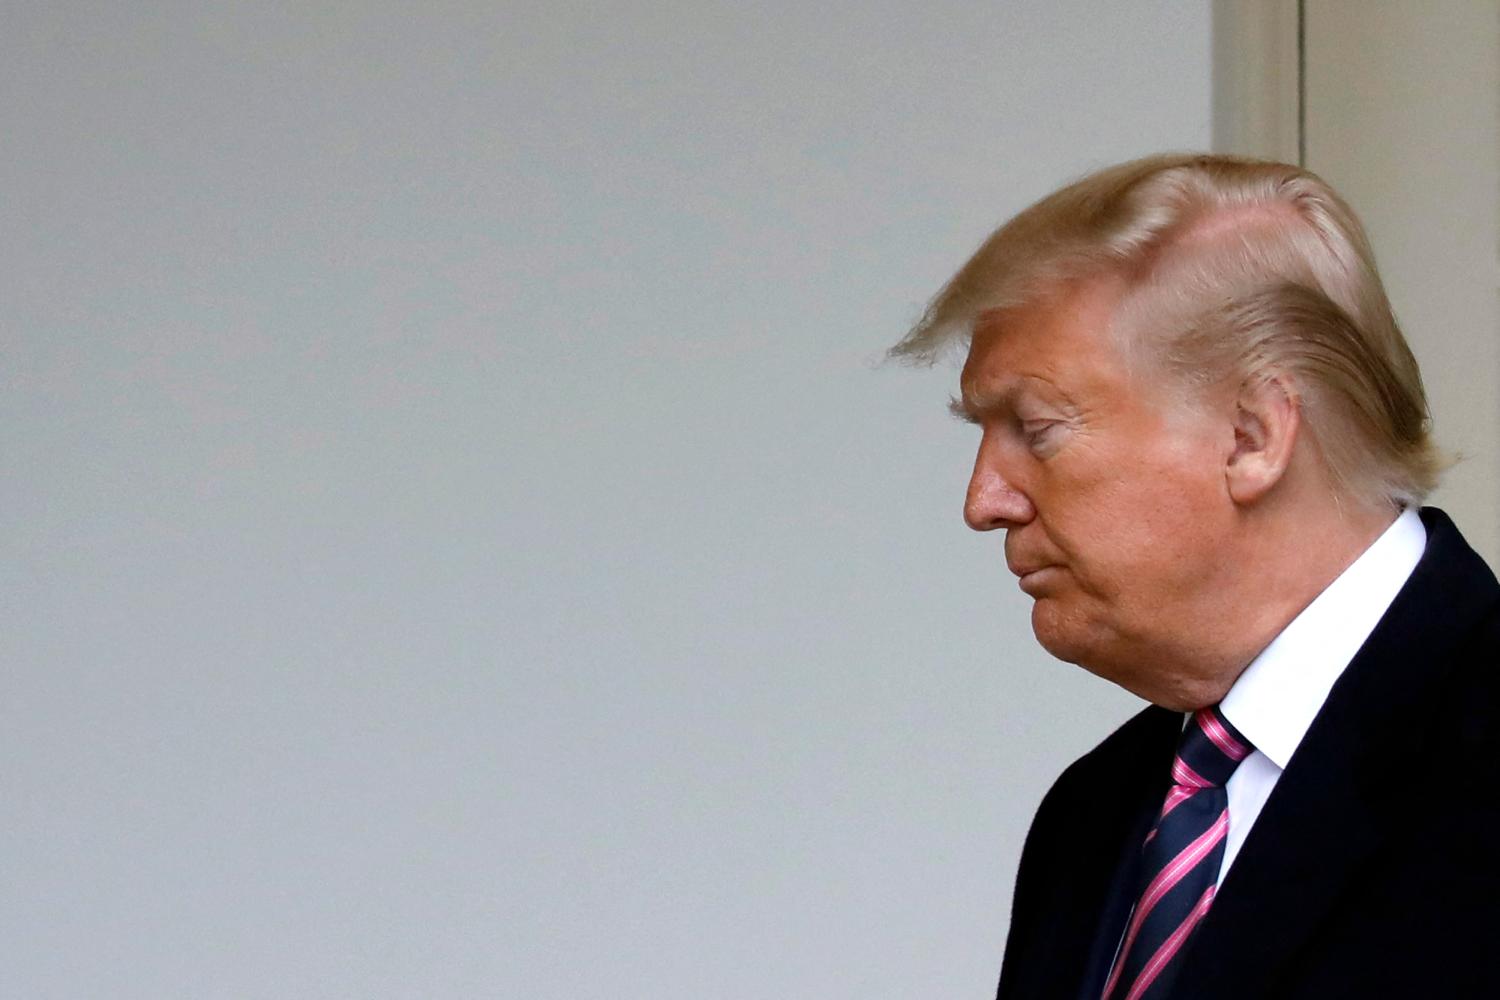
x=1274 y=701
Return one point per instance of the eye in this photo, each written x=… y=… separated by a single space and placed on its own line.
x=1037 y=432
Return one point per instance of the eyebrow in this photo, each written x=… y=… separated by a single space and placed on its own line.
x=971 y=407
x=961 y=410
x=973 y=404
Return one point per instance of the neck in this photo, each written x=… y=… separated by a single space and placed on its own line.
x=1284 y=561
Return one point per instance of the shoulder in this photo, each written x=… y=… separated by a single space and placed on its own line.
x=1451 y=605
x=1068 y=862
x=1471 y=694
x=1144 y=740
x=1138 y=751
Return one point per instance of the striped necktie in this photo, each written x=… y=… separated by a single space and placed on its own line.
x=1180 y=862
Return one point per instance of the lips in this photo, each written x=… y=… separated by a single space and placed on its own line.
x=1024 y=557
x=1034 y=581
x=1025 y=567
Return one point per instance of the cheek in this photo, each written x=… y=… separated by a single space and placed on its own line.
x=1156 y=533
x=1182 y=540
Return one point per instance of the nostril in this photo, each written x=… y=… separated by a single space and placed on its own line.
x=980 y=520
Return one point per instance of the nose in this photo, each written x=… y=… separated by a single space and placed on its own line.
x=993 y=500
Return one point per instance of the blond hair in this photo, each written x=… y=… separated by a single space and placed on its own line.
x=1235 y=268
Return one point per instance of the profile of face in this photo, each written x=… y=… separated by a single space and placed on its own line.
x=1111 y=492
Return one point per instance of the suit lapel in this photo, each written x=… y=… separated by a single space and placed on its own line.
x=1126 y=819
x=1089 y=847
x=1088 y=828
x=1332 y=807
x=1136 y=817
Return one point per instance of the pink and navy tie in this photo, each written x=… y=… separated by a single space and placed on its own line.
x=1180 y=862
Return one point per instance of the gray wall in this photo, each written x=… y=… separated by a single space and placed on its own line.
x=1402 y=115
x=456 y=539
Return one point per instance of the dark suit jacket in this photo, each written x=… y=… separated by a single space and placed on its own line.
x=1371 y=871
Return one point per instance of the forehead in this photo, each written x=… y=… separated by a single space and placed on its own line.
x=1062 y=344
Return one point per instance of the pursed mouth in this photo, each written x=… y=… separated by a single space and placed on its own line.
x=1034 y=579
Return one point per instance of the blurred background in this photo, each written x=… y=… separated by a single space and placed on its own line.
x=457 y=535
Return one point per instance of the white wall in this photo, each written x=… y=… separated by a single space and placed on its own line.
x=455 y=540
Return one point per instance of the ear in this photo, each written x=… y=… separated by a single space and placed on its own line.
x=1267 y=419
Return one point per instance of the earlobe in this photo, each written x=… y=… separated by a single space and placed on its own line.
x=1266 y=422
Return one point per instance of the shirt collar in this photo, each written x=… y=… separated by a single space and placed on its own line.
x=1274 y=701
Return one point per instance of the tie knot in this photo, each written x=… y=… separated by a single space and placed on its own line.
x=1209 y=752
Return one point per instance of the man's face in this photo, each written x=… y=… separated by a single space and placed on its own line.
x=1111 y=492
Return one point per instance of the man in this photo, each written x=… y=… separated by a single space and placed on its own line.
x=1205 y=440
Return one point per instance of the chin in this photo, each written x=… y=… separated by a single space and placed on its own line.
x=1101 y=652
x=1061 y=635
x=1093 y=647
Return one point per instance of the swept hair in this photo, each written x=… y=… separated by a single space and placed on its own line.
x=1235 y=268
